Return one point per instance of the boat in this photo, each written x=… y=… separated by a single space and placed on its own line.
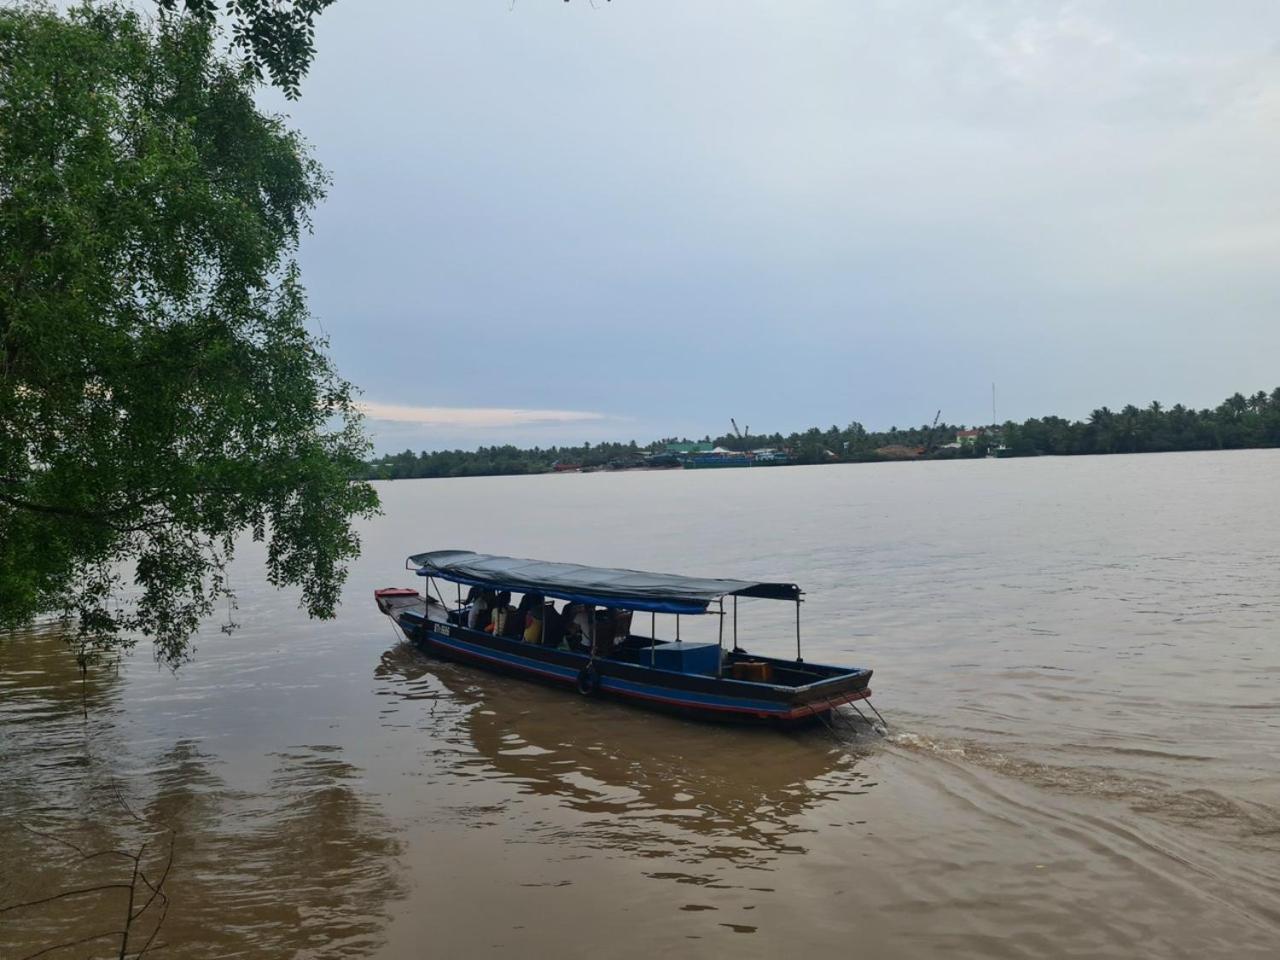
x=718 y=458
x=598 y=654
x=661 y=461
x=770 y=457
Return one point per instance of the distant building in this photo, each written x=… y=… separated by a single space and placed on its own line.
x=967 y=438
x=683 y=449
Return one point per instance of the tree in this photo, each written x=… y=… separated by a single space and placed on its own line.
x=159 y=391
x=277 y=36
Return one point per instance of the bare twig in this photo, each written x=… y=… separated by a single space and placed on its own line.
x=115 y=789
x=72 y=943
x=128 y=909
x=164 y=912
x=76 y=847
x=137 y=875
x=156 y=888
x=66 y=893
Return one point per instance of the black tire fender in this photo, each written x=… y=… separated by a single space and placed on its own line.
x=588 y=680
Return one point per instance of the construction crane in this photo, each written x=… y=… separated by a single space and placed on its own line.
x=741 y=435
x=930 y=443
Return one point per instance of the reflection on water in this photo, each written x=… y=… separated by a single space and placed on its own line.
x=690 y=793
x=304 y=864
x=308 y=868
x=40 y=680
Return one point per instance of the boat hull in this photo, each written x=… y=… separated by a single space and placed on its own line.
x=696 y=696
x=716 y=463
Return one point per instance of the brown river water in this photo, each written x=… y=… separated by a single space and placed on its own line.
x=1079 y=661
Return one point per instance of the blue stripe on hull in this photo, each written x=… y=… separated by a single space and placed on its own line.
x=625 y=688
x=501 y=656
x=689 y=698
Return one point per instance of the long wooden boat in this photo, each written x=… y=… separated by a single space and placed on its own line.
x=590 y=647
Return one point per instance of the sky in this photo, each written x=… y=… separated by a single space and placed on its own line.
x=552 y=222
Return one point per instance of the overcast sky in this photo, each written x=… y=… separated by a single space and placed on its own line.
x=553 y=223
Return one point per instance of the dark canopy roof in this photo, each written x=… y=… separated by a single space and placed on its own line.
x=606 y=586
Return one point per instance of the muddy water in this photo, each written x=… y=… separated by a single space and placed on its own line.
x=1079 y=660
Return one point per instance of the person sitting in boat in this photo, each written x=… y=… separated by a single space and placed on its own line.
x=581 y=630
x=552 y=626
x=604 y=634
x=501 y=610
x=514 y=625
x=611 y=629
x=621 y=625
x=577 y=626
x=533 y=617
x=477 y=609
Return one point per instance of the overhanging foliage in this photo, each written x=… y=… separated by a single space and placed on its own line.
x=159 y=390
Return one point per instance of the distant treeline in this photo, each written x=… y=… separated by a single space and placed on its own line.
x=1236 y=423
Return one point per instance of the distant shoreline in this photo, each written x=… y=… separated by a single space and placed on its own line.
x=1238 y=423
x=846 y=463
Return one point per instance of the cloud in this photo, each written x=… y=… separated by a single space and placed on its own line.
x=860 y=210
x=471 y=417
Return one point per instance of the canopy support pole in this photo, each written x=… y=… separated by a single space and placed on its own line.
x=720 y=643
x=677 y=628
x=653 y=638
x=799 y=659
x=736 y=649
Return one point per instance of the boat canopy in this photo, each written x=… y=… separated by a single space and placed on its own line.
x=603 y=586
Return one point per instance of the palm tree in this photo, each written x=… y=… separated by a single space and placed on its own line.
x=1129 y=424
x=1102 y=422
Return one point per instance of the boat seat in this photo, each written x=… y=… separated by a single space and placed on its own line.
x=757 y=671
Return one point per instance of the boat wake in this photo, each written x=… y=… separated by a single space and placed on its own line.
x=850 y=725
x=1219 y=851
x=1201 y=807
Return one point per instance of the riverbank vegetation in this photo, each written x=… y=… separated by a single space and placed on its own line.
x=1238 y=422
x=160 y=392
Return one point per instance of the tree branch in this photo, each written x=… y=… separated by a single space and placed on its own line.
x=128 y=908
x=72 y=943
x=138 y=875
x=88 y=515
x=66 y=893
x=77 y=848
x=156 y=887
